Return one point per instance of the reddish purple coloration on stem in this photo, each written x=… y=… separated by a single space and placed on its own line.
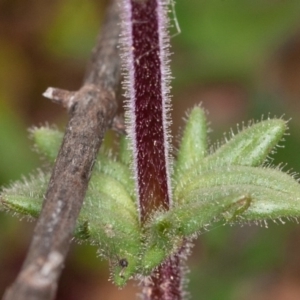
x=165 y=282
x=145 y=53
x=151 y=160
x=148 y=104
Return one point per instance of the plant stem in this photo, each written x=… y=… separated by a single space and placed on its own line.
x=165 y=281
x=145 y=51
x=146 y=55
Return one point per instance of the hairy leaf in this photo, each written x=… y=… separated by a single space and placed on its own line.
x=47 y=141
x=235 y=175
x=25 y=197
x=118 y=171
x=114 y=229
x=226 y=185
x=193 y=146
x=250 y=147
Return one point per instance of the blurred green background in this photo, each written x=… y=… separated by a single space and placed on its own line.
x=240 y=58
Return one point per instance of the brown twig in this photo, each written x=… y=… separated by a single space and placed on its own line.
x=92 y=110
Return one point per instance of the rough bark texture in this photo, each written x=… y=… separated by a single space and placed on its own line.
x=91 y=110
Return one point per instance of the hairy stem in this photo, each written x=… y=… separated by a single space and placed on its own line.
x=165 y=281
x=151 y=157
x=145 y=46
x=145 y=52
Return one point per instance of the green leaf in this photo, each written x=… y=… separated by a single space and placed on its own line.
x=154 y=255
x=233 y=193
x=25 y=198
x=47 y=141
x=167 y=230
x=115 y=189
x=113 y=222
x=239 y=175
x=118 y=171
x=108 y=218
x=115 y=230
x=250 y=147
x=193 y=146
x=221 y=186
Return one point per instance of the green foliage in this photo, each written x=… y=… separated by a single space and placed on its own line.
x=25 y=197
x=231 y=184
x=193 y=143
x=47 y=141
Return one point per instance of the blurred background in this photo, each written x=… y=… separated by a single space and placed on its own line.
x=240 y=58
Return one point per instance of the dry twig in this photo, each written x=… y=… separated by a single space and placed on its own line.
x=92 y=110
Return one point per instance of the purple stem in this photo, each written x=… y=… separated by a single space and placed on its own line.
x=148 y=92
x=165 y=282
x=145 y=48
